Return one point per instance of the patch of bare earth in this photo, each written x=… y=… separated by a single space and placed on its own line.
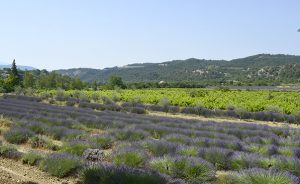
x=221 y=119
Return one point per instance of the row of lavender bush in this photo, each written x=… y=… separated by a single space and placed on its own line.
x=149 y=143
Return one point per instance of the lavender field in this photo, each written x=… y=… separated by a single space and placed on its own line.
x=112 y=145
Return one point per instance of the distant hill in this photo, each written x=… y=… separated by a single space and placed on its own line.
x=20 y=67
x=281 y=68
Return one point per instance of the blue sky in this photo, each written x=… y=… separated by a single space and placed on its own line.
x=56 y=34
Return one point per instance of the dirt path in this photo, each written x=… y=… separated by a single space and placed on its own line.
x=12 y=172
x=7 y=177
x=220 y=120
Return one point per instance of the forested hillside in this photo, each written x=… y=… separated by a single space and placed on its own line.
x=264 y=69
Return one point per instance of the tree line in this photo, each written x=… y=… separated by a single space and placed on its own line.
x=10 y=78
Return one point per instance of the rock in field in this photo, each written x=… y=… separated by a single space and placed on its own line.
x=93 y=155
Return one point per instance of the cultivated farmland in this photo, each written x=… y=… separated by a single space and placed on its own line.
x=114 y=142
x=251 y=100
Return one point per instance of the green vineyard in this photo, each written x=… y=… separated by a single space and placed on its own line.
x=287 y=102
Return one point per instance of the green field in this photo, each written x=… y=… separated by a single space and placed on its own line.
x=252 y=100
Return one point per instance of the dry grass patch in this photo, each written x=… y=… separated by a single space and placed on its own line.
x=5 y=122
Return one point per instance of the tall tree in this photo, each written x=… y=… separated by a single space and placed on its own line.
x=13 y=79
x=115 y=81
x=14 y=70
x=29 y=80
x=95 y=85
x=77 y=84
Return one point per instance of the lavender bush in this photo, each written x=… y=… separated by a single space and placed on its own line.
x=258 y=176
x=110 y=174
x=61 y=164
x=191 y=169
x=18 y=135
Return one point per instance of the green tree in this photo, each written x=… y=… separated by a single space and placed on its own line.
x=95 y=85
x=10 y=83
x=14 y=70
x=77 y=84
x=14 y=77
x=115 y=81
x=2 y=86
x=29 y=80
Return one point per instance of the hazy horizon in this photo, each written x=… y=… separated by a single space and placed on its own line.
x=62 y=34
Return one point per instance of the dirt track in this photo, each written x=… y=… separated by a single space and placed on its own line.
x=223 y=119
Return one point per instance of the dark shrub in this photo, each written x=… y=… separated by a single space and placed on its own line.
x=110 y=174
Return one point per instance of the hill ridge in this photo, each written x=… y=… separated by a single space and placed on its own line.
x=277 y=67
